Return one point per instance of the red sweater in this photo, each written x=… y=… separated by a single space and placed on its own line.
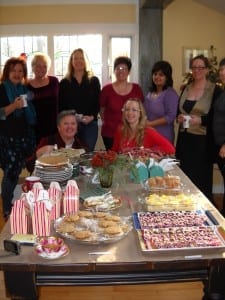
x=112 y=104
x=152 y=140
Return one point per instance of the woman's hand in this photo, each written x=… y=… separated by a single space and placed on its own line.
x=18 y=103
x=87 y=119
x=180 y=118
x=194 y=120
x=222 y=151
x=44 y=150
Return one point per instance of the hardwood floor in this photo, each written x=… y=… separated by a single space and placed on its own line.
x=171 y=291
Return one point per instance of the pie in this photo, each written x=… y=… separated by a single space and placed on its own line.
x=53 y=160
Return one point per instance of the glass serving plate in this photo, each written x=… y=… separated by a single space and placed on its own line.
x=90 y=231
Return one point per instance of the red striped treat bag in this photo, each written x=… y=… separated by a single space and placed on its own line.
x=20 y=217
x=71 y=197
x=41 y=222
x=36 y=189
x=55 y=195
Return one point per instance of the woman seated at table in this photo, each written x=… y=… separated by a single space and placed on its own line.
x=66 y=137
x=133 y=132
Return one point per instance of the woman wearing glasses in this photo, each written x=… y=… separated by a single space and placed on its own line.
x=134 y=132
x=113 y=96
x=194 y=142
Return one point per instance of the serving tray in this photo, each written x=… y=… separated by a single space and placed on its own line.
x=181 y=238
x=178 y=230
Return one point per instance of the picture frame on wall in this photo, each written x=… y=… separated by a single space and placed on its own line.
x=188 y=54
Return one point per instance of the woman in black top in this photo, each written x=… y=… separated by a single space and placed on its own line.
x=80 y=91
x=17 y=140
x=219 y=128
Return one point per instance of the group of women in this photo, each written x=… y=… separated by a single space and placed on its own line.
x=128 y=118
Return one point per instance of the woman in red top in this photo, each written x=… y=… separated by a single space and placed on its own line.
x=133 y=131
x=113 y=96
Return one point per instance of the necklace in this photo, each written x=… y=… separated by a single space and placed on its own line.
x=155 y=94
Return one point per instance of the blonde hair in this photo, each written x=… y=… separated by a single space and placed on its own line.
x=41 y=56
x=87 y=69
x=140 y=130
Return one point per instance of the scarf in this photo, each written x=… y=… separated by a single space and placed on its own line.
x=13 y=91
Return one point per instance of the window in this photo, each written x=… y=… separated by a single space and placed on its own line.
x=90 y=43
x=14 y=46
x=118 y=46
x=101 y=43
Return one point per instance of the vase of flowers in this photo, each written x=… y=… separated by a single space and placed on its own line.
x=106 y=176
x=106 y=162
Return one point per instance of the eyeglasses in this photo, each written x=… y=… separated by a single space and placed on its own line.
x=198 y=68
x=121 y=69
x=130 y=110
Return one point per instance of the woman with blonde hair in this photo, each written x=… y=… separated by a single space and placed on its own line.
x=134 y=132
x=80 y=90
x=45 y=91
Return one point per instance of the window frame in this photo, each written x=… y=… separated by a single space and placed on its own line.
x=107 y=31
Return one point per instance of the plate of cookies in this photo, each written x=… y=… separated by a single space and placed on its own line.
x=93 y=227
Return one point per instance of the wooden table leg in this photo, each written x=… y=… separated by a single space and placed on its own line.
x=21 y=285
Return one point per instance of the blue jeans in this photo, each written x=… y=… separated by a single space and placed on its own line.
x=89 y=134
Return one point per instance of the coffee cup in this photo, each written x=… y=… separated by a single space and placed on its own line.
x=24 y=98
x=29 y=182
x=186 y=121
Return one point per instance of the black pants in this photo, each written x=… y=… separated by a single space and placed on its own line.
x=193 y=152
x=108 y=142
x=221 y=164
x=216 y=287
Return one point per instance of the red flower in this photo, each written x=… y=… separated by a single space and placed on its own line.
x=104 y=159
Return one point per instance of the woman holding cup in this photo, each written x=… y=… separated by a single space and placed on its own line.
x=194 y=142
x=17 y=140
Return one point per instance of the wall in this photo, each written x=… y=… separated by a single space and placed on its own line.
x=185 y=24
x=188 y=24
x=191 y=25
x=79 y=13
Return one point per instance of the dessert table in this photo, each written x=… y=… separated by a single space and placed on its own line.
x=116 y=263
